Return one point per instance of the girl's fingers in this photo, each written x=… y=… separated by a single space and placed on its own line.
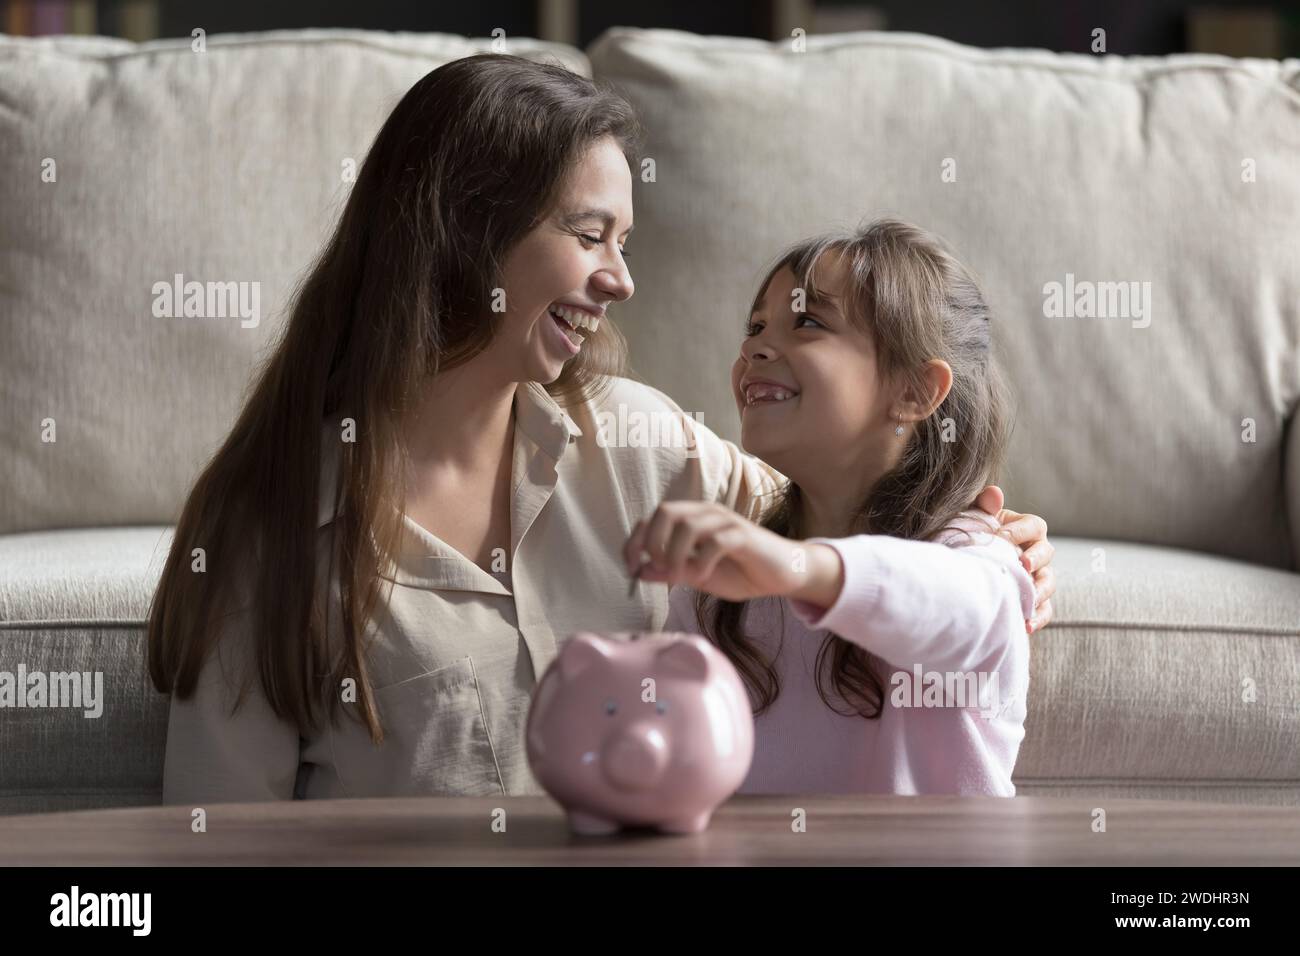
x=681 y=542
x=688 y=533
x=633 y=547
x=658 y=531
x=706 y=561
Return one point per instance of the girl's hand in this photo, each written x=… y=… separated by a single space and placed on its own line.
x=1029 y=533
x=713 y=549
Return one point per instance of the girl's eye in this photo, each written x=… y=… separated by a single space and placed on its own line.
x=804 y=315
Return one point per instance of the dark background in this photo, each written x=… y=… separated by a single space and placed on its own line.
x=1151 y=27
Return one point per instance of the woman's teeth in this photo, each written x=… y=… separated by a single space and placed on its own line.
x=576 y=319
x=767 y=393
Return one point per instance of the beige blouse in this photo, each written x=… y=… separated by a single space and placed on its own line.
x=457 y=650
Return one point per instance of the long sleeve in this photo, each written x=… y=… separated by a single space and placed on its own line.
x=910 y=602
x=947 y=608
x=214 y=757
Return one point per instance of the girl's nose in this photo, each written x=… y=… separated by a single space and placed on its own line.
x=755 y=350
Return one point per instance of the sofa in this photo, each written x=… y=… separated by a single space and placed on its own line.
x=1135 y=222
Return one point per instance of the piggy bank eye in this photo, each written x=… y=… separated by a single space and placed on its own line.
x=611 y=707
x=661 y=707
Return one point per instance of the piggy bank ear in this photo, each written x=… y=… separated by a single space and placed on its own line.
x=685 y=657
x=581 y=652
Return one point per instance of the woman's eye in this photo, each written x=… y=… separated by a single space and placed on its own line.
x=624 y=253
x=589 y=240
x=753 y=328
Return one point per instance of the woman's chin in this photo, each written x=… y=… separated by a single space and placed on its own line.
x=547 y=370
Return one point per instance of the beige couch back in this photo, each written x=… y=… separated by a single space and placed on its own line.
x=1178 y=174
x=1105 y=169
x=221 y=166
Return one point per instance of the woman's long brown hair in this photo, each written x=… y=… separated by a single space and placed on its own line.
x=472 y=158
x=917 y=302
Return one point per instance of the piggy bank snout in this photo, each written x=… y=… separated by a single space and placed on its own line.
x=636 y=757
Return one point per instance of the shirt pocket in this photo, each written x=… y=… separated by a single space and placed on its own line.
x=435 y=740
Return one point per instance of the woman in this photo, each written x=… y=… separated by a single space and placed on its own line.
x=414 y=505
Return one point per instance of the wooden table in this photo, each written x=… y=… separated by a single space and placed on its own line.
x=747 y=830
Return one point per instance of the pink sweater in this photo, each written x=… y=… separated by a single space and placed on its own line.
x=948 y=617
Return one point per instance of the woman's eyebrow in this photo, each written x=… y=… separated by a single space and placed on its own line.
x=602 y=215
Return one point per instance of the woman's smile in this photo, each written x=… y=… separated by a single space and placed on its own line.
x=566 y=336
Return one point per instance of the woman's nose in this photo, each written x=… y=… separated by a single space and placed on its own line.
x=615 y=282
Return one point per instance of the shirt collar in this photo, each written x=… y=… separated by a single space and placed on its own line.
x=537 y=414
x=541 y=418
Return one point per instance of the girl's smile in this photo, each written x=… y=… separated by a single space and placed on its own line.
x=765 y=392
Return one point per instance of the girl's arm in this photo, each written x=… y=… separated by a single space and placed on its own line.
x=215 y=757
x=946 y=608
x=908 y=602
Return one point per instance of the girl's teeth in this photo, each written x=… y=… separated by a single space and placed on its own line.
x=769 y=395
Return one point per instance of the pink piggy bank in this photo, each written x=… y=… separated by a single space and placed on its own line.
x=655 y=730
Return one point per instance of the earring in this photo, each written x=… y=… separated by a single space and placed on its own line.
x=898 y=429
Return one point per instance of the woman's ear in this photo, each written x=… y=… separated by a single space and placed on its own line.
x=919 y=403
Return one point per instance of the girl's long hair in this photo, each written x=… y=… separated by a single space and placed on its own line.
x=473 y=157
x=917 y=302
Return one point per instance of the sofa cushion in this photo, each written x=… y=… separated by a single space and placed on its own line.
x=76 y=602
x=1065 y=169
x=1135 y=688
x=221 y=167
x=1143 y=681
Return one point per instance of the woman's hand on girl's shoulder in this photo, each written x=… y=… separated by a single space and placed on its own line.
x=1029 y=533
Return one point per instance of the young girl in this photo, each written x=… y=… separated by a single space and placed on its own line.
x=866 y=377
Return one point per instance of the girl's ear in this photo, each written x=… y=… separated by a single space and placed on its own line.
x=920 y=402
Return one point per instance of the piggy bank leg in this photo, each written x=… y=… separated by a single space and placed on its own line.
x=586 y=824
x=695 y=824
